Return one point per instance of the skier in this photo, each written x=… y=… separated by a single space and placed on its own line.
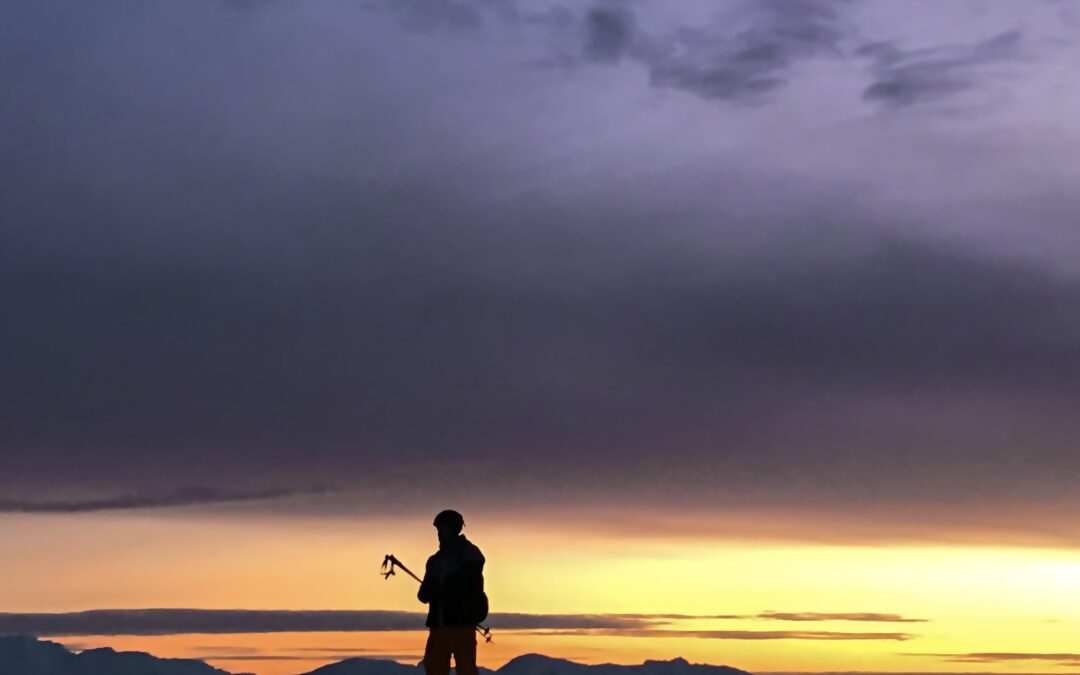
x=453 y=589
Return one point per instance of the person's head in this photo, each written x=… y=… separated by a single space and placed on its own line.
x=449 y=524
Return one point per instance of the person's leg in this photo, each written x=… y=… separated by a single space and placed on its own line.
x=437 y=652
x=465 y=650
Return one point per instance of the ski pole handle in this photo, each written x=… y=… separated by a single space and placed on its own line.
x=389 y=564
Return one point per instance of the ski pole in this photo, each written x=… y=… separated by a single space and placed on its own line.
x=390 y=564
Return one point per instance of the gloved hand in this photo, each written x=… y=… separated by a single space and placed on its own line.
x=427 y=592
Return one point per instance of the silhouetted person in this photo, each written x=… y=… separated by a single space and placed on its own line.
x=453 y=589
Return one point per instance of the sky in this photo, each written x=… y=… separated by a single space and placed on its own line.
x=760 y=313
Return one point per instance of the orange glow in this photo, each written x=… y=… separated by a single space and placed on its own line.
x=972 y=598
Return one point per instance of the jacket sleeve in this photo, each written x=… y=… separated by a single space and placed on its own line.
x=427 y=587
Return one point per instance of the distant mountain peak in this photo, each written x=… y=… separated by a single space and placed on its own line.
x=366 y=665
x=677 y=661
x=533 y=658
x=27 y=655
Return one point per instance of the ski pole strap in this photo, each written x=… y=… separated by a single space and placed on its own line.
x=389 y=564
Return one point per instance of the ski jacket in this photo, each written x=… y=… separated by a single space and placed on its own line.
x=453 y=586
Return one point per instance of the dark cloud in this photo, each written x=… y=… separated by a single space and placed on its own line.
x=191 y=496
x=447 y=346
x=741 y=57
x=904 y=77
x=745 y=52
x=443 y=359
x=609 y=33
x=177 y=621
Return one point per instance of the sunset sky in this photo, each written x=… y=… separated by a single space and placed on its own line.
x=747 y=332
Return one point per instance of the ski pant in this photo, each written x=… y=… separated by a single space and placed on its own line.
x=459 y=640
x=442 y=642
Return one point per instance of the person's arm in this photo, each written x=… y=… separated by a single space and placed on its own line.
x=427 y=587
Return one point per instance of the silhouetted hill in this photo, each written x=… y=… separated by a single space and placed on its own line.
x=365 y=665
x=538 y=664
x=362 y=665
x=20 y=655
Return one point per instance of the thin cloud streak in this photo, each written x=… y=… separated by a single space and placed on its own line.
x=904 y=77
x=183 y=621
x=723 y=634
x=865 y=617
x=836 y=616
x=192 y=496
x=1067 y=659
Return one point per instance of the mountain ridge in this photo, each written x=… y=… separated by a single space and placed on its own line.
x=534 y=664
x=28 y=655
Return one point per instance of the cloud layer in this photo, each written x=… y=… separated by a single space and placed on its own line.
x=179 y=621
x=370 y=246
